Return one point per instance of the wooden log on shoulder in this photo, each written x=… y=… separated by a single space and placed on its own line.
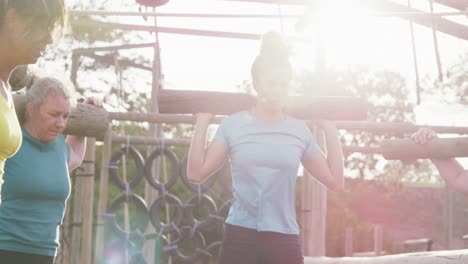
x=222 y=103
x=433 y=257
x=438 y=148
x=84 y=120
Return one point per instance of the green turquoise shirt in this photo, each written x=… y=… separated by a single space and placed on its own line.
x=33 y=196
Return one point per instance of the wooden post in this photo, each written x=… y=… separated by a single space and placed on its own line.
x=155 y=131
x=102 y=202
x=87 y=175
x=349 y=242
x=314 y=200
x=448 y=217
x=84 y=120
x=378 y=240
x=63 y=254
x=75 y=244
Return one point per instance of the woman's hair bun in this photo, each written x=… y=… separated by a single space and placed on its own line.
x=273 y=48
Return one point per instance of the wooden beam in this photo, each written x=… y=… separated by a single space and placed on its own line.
x=456 y=4
x=439 y=148
x=441 y=24
x=84 y=120
x=182 y=31
x=434 y=257
x=221 y=103
x=419 y=17
x=396 y=128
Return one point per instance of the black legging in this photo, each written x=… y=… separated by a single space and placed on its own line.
x=249 y=246
x=14 y=257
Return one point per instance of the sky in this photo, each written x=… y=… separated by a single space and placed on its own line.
x=220 y=63
x=208 y=63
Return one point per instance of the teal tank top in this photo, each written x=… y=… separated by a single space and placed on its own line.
x=33 y=196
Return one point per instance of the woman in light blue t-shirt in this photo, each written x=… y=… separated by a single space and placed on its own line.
x=265 y=148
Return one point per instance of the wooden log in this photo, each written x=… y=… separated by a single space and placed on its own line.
x=434 y=257
x=221 y=103
x=84 y=120
x=439 y=148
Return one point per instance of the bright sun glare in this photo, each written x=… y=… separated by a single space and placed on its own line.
x=349 y=37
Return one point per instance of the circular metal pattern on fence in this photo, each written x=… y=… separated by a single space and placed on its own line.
x=196 y=238
x=130 y=198
x=202 y=186
x=174 y=169
x=215 y=248
x=201 y=201
x=187 y=237
x=224 y=209
x=155 y=212
x=205 y=184
x=114 y=167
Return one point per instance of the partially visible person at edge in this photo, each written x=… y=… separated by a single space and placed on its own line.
x=265 y=147
x=449 y=169
x=26 y=28
x=37 y=181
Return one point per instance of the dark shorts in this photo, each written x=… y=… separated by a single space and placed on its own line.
x=14 y=257
x=249 y=246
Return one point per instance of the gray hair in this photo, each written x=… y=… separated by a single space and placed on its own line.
x=46 y=86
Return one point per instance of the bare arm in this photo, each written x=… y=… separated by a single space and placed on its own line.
x=329 y=171
x=453 y=173
x=203 y=162
x=77 y=150
x=77 y=143
x=449 y=169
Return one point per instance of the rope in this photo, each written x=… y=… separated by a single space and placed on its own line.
x=436 y=44
x=415 y=59
x=280 y=14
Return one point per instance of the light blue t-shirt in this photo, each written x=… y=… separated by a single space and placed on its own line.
x=265 y=158
x=36 y=187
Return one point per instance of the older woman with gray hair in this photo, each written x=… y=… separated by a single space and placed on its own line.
x=36 y=181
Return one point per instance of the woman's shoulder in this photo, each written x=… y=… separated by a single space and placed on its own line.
x=298 y=123
x=236 y=117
